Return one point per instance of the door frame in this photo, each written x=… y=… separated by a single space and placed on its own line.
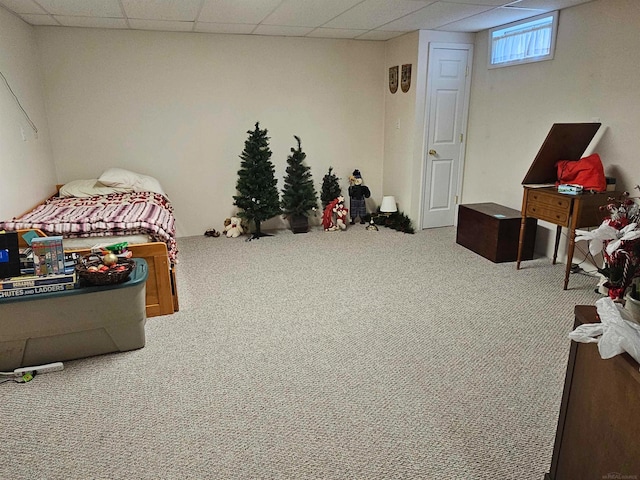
x=463 y=149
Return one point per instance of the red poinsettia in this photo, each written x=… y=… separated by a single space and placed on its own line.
x=618 y=239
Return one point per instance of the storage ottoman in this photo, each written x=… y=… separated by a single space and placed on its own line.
x=493 y=231
x=59 y=326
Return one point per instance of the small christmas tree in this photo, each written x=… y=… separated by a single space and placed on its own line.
x=398 y=221
x=330 y=188
x=257 y=186
x=298 y=195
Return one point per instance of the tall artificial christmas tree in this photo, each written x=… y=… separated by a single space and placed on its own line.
x=299 y=196
x=330 y=188
x=257 y=186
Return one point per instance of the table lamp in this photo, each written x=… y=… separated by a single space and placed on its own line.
x=388 y=205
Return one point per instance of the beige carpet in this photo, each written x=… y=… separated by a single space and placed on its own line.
x=342 y=355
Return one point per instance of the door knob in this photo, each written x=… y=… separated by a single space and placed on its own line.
x=432 y=152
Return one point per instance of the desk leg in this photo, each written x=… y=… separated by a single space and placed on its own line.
x=523 y=228
x=572 y=244
x=555 y=249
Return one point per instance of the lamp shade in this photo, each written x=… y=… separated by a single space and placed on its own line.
x=388 y=204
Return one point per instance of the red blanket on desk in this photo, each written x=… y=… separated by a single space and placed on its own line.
x=587 y=172
x=103 y=216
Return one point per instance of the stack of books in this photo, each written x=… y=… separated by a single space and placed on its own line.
x=44 y=268
x=27 y=265
x=48 y=255
x=25 y=285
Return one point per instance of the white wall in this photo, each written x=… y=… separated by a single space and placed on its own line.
x=405 y=117
x=27 y=174
x=178 y=105
x=594 y=73
x=400 y=110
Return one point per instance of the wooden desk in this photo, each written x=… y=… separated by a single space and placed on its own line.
x=563 y=210
x=599 y=421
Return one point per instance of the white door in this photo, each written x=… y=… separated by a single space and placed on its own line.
x=448 y=82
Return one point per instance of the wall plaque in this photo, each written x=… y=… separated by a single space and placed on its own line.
x=393 y=79
x=405 y=81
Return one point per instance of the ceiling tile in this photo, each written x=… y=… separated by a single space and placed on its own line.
x=83 y=8
x=435 y=15
x=93 y=22
x=22 y=6
x=162 y=25
x=310 y=13
x=490 y=19
x=491 y=3
x=39 y=19
x=335 y=33
x=379 y=35
x=236 y=11
x=360 y=19
x=282 y=30
x=549 y=5
x=237 y=28
x=162 y=9
x=373 y=13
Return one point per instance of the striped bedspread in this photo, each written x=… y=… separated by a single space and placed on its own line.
x=103 y=216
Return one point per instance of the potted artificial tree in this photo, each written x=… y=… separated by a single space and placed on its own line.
x=330 y=188
x=257 y=186
x=299 y=196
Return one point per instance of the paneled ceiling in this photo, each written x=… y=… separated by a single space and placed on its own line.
x=357 y=19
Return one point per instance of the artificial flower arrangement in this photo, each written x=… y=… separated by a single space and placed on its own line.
x=618 y=239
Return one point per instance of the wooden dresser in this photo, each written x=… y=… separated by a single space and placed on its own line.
x=598 y=434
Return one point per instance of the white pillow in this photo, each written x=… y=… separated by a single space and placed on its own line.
x=119 y=177
x=89 y=188
x=149 y=184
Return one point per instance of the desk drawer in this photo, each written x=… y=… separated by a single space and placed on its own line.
x=548 y=214
x=549 y=199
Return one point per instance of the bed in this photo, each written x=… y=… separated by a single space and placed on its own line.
x=118 y=206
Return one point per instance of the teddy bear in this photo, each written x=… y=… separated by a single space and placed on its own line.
x=232 y=227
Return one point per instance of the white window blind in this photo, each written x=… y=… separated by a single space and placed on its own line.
x=523 y=42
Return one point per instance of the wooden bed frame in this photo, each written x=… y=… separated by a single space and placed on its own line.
x=161 y=287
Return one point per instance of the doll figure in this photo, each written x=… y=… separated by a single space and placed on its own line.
x=357 y=195
x=335 y=216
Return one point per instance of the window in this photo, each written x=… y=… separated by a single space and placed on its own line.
x=530 y=40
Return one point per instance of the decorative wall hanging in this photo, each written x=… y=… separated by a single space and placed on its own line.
x=393 y=79
x=405 y=81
